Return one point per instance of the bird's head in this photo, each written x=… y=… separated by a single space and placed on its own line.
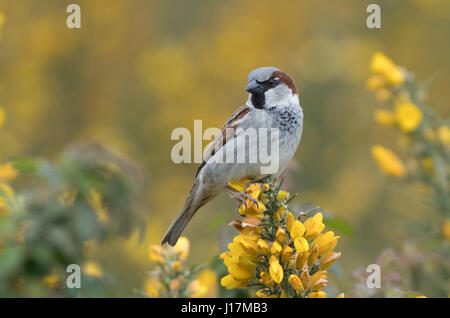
x=270 y=86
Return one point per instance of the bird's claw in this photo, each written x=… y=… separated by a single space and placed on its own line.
x=243 y=196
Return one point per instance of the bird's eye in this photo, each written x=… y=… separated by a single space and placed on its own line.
x=271 y=80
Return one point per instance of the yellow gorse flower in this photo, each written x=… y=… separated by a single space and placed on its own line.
x=289 y=221
x=7 y=172
x=274 y=252
x=326 y=242
x=266 y=279
x=388 y=73
x=318 y=280
x=286 y=254
x=296 y=283
x=408 y=116
x=300 y=260
x=282 y=195
x=328 y=260
x=301 y=244
x=204 y=285
x=314 y=226
x=388 y=162
x=243 y=250
x=151 y=287
x=313 y=255
x=276 y=248
x=444 y=134
x=176 y=266
x=250 y=209
x=280 y=235
x=297 y=230
x=263 y=246
x=93 y=269
x=319 y=294
x=376 y=82
x=275 y=269
x=385 y=117
x=155 y=254
x=182 y=248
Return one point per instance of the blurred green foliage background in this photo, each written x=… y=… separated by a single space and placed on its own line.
x=138 y=69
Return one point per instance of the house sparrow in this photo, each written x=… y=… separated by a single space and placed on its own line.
x=272 y=104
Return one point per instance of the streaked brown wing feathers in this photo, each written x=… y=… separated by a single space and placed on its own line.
x=225 y=134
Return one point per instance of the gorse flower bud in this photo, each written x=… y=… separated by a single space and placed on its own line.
x=300 y=260
x=286 y=254
x=313 y=255
x=280 y=235
x=263 y=246
x=275 y=269
x=280 y=213
x=296 y=283
x=266 y=279
x=276 y=248
x=282 y=195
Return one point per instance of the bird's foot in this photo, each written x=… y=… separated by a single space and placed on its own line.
x=243 y=196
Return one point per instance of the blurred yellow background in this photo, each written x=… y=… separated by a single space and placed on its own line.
x=138 y=69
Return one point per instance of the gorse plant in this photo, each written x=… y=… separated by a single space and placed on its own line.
x=276 y=251
x=426 y=148
x=427 y=136
x=173 y=278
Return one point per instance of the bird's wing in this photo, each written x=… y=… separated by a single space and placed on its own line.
x=225 y=134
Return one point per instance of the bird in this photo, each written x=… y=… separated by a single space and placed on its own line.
x=273 y=103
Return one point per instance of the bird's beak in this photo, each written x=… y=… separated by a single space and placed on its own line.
x=254 y=87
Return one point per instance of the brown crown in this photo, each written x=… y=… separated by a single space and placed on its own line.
x=286 y=79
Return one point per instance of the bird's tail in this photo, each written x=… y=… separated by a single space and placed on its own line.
x=196 y=199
